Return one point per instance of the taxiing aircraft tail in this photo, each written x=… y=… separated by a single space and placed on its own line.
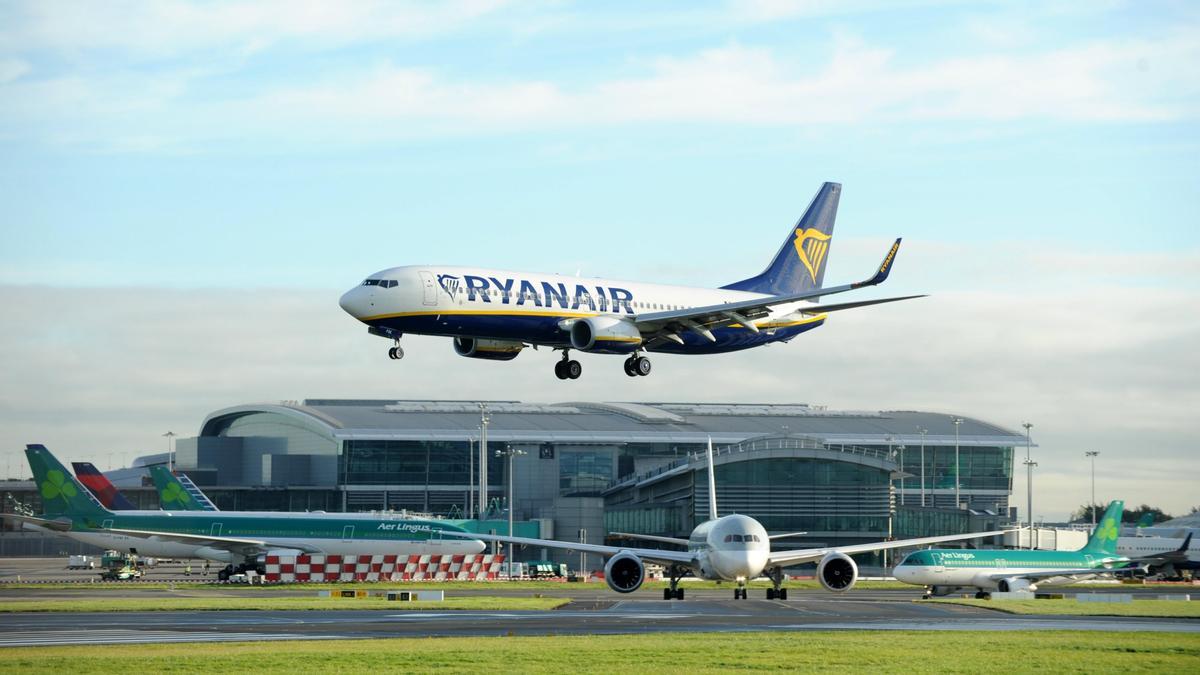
x=62 y=495
x=173 y=492
x=99 y=485
x=799 y=266
x=1104 y=538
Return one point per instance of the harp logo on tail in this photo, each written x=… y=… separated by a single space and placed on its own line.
x=811 y=246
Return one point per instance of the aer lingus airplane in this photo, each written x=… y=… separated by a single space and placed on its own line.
x=733 y=548
x=179 y=493
x=494 y=314
x=944 y=571
x=224 y=536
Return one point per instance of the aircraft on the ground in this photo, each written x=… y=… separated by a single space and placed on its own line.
x=1167 y=556
x=99 y=485
x=733 y=548
x=239 y=539
x=494 y=314
x=943 y=571
x=179 y=493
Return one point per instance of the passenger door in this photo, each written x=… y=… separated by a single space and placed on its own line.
x=429 y=288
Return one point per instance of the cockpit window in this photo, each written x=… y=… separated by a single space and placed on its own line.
x=752 y=537
x=732 y=538
x=372 y=282
x=382 y=283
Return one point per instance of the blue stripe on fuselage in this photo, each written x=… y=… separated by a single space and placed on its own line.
x=545 y=330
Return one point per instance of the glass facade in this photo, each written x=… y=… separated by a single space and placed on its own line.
x=414 y=463
x=584 y=473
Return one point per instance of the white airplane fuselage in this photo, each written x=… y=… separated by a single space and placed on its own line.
x=532 y=308
x=730 y=548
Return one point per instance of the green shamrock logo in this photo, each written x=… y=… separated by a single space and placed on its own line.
x=57 y=485
x=1108 y=530
x=173 y=493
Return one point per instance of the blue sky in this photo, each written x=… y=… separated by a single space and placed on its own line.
x=1041 y=160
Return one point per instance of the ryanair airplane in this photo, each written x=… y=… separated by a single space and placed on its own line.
x=494 y=314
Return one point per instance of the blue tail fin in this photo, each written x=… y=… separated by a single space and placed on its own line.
x=800 y=263
x=1104 y=538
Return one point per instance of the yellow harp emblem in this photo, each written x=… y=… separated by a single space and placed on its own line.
x=811 y=246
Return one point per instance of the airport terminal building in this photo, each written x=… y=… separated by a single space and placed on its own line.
x=588 y=469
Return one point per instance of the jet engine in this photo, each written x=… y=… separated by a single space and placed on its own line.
x=624 y=572
x=605 y=334
x=1010 y=585
x=492 y=350
x=837 y=572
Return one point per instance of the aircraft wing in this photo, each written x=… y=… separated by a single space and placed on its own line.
x=650 y=537
x=1047 y=574
x=239 y=545
x=796 y=556
x=745 y=312
x=651 y=554
x=55 y=525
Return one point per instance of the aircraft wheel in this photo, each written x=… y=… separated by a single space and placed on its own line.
x=573 y=369
x=783 y=594
x=667 y=594
x=395 y=353
x=678 y=593
x=641 y=366
x=770 y=593
x=560 y=370
x=629 y=367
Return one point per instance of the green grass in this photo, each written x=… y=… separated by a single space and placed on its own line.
x=845 y=651
x=174 y=603
x=1151 y=608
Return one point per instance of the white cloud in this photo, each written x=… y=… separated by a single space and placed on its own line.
x=11 y=69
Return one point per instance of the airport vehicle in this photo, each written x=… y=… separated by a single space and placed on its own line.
x=123 y=573
x=494 y=314
x=944 y=571
x=238 y=539
x=179 y=493
x=99 y=485
x=733 y=548
x=81 y=562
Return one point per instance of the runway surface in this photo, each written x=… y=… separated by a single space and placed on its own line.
x=810 y=612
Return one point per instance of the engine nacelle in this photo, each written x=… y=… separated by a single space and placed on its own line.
x=1011 y=585
x=837 y=572
x=492 y=350
x=624 y=572
x=605 y=334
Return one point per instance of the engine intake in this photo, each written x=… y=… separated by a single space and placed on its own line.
x=491 y=350
x=624 y=572
x=837 y=572
x=605 y=335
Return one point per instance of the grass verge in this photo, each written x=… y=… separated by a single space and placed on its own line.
x=856 y=651
x=177 y=604
x=1147 y=608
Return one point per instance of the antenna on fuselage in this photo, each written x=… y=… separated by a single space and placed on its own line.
x=712 y=484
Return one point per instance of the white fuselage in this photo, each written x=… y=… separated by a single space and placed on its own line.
x=730 y=548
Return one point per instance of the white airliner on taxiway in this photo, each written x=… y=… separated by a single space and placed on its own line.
x=733 y=548
x=494 y=314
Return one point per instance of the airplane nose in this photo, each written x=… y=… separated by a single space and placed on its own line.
x=355 y=302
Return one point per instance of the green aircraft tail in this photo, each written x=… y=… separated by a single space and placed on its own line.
x=62 y=495
x=1147 y=520
x=172 y=495
x=1104 y=538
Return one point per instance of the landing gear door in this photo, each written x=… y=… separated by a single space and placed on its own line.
x=429 y=288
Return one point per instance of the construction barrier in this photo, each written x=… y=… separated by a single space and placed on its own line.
x=321 y=568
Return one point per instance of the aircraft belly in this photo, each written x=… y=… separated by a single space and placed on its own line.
x=516 y=327
x=731 y=339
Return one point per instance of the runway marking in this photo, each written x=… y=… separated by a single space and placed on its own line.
x=99 y=637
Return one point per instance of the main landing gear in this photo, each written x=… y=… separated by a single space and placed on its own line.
x=739 y=593
x=674 y=592
x=396 y=353
x=778 y=592
x=637 y=365
x=568 y=368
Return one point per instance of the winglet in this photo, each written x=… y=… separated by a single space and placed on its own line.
x=712 y=484
x=885 y=267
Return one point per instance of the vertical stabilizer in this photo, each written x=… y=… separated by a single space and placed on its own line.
x=712 y=484
x=174 y=494
x=62 y=495
x=1104 y=539
x=799 y=265
x=108 y=494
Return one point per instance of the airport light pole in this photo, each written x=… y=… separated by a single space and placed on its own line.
x=1029 y=464
x=923 y=431
x=170 y=454
x=901 y=448
x=484 y=420
x=1092 y=454
x=957 y=475
x=509 y=452
x=470 y=477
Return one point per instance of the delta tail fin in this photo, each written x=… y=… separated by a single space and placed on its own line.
x=1104 y=538
x=712 y=484
x=799 y=266
x=108 y=494
x=62 y=495
x=174 y=494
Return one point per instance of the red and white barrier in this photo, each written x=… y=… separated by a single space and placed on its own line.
x=309 y=568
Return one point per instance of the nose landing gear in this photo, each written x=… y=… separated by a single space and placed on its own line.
x=637 y=366
x=396 y=353
x=567 y=368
